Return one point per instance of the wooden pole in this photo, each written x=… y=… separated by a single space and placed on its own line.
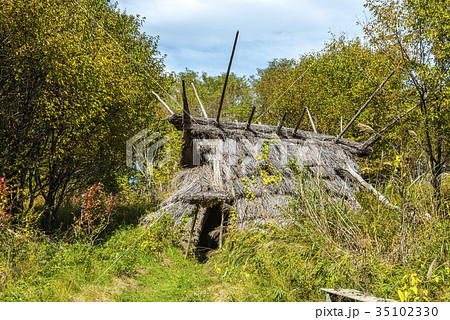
x=187 y=155
x=251 y=117
x=380 y=197
x=221 y=231
x=191 y=232
x=226 y=79
x=186 y=112
x=199 y=101
x=280 y=124
x=363 y=107
x=311 y=120
x=377 y=136
x=162 y=101
x=299 y=120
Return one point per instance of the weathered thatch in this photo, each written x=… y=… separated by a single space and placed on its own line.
x=249 y=171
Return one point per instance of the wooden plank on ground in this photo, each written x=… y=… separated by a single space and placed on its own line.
x=338 y=295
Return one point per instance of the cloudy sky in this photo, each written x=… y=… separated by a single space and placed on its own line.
x=199 y=34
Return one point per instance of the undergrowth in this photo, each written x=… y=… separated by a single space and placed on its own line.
x=323 y=243
x=326 y=244
x=45 y=269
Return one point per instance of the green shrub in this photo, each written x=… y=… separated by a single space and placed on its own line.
x=97 y=207
x=328 y=244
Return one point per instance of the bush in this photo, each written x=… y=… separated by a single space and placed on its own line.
x=396 y=255
x=96 y=210
x=5 y=214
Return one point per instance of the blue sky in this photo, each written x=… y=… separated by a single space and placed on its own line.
x=199 y=34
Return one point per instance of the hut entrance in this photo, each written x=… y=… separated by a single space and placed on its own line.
x=210 y=235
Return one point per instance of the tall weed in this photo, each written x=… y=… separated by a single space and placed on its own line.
x=326 y=243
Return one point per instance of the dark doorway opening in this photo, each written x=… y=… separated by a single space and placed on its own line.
x=209 y=236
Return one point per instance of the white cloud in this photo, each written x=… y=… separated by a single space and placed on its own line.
x=198 y=34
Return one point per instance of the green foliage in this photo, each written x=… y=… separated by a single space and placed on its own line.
x=160 y=235
x=329 y=245
x=97 y=207
x=411 y=291
x=332 y=83
x=5 y=215
x=414 y=36
x=70 y=96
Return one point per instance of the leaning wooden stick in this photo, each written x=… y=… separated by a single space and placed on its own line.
x=363 y=107
x=311 y=120
x=226 y=79
x=191 y=232
x=162 y=101
x=280 y=124
x=377 y=136
x=365 y=184
x=250 y=117
x=199 y=101
x=299 y=120
x=186 y=112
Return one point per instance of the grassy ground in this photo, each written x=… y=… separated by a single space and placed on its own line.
x=397 y=255
x=46 y=270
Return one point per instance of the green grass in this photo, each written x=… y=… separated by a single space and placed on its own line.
x=383 y=252
x=44 y=270
x=375 y=250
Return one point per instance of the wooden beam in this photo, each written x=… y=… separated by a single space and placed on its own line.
x=221 y=230
x=280 y=124
x=162 y=101
x=377 y=136
x=365 y=184
x=186 y=112
x=251 y=117
x=299 y=120
x=191 y=232
x=363 y=107
x=337 y=295
x=187 y=153
x=311 y=120
x=226 y=79
x=199 y=101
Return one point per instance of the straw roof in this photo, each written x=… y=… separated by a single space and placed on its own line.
x=252 y=169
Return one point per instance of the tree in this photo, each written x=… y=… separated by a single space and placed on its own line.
x=70 y=96
x=414 y=35
x=332 y=83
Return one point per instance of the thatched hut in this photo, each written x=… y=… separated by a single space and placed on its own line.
x=245 y=172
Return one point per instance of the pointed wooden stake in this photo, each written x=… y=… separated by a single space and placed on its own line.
x=311 y=120
x=363 y=107
x=162 y=101
x=226 y=79
x=187 y=153
x=198 y=99
x=299 y=120
x=251 y=117
x=280 y=124
x=186 y=112
x=191 y=231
